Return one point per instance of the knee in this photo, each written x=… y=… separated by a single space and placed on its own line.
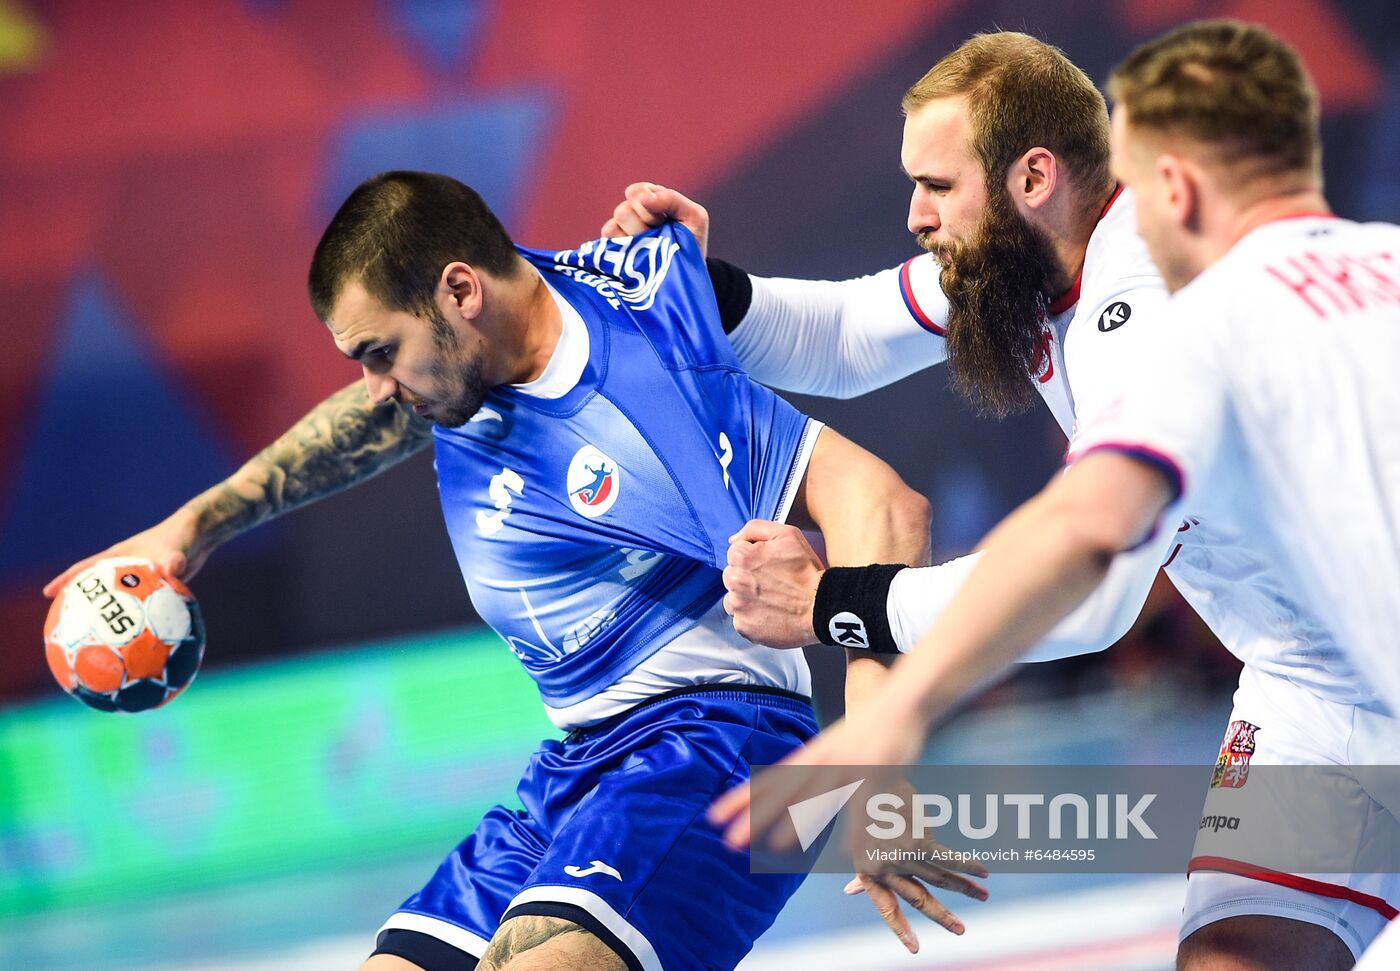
x=1263 y=943
x=534 y=943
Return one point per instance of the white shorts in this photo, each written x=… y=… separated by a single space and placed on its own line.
x=1275 y=722
x=1384 y=954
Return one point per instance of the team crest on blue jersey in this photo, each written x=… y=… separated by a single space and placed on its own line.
x=593 y=482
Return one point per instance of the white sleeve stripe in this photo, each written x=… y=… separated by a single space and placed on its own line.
x=798 y=471
x=459 y=937
x=601 y=911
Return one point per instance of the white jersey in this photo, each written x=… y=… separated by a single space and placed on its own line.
x=1271 y=398
x=847 y=338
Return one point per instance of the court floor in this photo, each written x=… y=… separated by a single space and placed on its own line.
x=326 y=919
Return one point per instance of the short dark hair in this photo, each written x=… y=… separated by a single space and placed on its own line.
x=1233 y=88
x=396 y=232
x=1022 y=92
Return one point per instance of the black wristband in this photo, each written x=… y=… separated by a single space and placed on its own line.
x=850 y=609
x=733 y=292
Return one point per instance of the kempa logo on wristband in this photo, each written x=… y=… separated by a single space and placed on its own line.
x=849 y=608
x=848 y=630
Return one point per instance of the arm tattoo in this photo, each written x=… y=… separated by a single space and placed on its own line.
x=339 y=443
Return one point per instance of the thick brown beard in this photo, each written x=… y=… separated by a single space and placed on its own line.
x=995 y=284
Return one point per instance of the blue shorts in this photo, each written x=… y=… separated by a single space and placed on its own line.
x=613 y=837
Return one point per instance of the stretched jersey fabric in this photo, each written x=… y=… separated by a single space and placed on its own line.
x=1273 y=403
x=591 y=522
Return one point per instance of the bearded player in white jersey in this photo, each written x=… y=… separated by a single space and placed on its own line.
x=1040 y=272
x=1259 y=403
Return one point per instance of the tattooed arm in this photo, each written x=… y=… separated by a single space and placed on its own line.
x=341 y=442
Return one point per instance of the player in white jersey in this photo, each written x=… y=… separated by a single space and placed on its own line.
x=847 y=338
x=1260 y=404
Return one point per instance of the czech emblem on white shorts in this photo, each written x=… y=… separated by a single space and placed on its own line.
x=1232 y=767
x=593 y=482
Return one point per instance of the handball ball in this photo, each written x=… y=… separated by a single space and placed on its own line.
x=122 y=636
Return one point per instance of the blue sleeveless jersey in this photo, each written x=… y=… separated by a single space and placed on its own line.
x=591 y=529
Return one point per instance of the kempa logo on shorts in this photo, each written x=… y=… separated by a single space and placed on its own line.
x=848 y=630
x=1217 y=823
x=594 y=866
x=593 y=482
x=1115 y=316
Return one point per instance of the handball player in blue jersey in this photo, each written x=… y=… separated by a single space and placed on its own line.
x=597 y=445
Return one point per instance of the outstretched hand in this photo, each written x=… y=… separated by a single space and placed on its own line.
x=870 y=744
x=172 y=545
x=646 y=205
x=852 y=741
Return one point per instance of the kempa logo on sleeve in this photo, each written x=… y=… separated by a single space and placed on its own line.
x=1114 y=316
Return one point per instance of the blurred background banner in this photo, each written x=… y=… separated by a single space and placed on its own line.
x=316 y=762
x=165 y=170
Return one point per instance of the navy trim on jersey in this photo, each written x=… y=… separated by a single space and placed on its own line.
x=906 y=290
x=424 y=950
x=581 y=917
x=1161 y=461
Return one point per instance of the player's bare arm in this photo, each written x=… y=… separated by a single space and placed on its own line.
x=868 y=515
x=343 y=441
x=1036 y=567
x=865 y=513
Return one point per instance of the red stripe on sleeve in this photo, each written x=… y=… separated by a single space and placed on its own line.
x=906 y=290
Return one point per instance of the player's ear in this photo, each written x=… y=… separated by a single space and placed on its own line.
x=1181 y=186
x=1032 y=178
x=459 y=290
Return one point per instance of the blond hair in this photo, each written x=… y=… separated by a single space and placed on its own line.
x=1022 y=93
